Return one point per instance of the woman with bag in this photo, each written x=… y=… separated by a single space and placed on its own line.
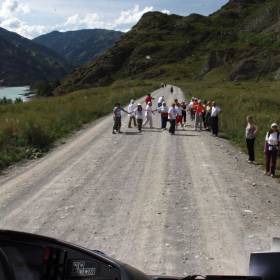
x=272 y=142
x=250 y=134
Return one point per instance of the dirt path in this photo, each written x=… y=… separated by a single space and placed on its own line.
x=176 y=205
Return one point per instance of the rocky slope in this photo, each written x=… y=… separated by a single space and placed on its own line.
x=24 y=62
x=242 y=39
x=81 y=46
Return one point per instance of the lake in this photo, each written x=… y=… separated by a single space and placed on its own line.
x=14 y=92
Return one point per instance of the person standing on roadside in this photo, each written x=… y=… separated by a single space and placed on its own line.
x=208 y=115
x=117 y=116
x=164 y=115
x=272 y=143
x=250 y=133
x=172 y=113
x=139 y=116
x=131 y=113
x=215 y=111
x=149 y=115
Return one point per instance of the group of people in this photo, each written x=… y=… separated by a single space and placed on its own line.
x=271 y=145
x=205 y=114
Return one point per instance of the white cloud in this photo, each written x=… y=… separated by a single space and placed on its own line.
x=12 y=7
x=166 y=12
x=132 y=16
x=11 y=10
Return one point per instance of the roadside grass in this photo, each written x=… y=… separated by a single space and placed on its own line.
x=29 y=129
x=238 y=100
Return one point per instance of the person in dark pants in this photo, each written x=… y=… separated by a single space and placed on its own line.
x=215 y=111
x=117 y=111
x=272 y=142
x=172 y=113
x=164 y=115
x=250 y=133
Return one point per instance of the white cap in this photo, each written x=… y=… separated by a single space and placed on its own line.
x=139 y=104
x=274 y=125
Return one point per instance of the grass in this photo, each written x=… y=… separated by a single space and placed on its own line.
x=238 y=100
x=29 y=129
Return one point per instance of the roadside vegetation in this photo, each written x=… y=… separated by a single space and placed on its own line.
x=238 y=100
x=29 y=129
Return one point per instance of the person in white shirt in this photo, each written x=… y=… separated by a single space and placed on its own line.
x=172 y=113
x=179 y=117
x=131 y=113
x=139 y=116
x=160 y=101
x=272 y=142
x=149 y=115
x=215 y=111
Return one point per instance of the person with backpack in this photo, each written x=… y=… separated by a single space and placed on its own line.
x=250 y=135
x=172 y=113
x=272 y=143
x=131 y=113
x=117 y=116
x=215 y=111
x=139 y=116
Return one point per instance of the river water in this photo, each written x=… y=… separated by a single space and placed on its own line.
x=14 y=92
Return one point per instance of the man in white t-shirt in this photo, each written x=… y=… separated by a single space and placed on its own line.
x=149 y=115
x=131 y=113
x=215 y=111
x=172 y=113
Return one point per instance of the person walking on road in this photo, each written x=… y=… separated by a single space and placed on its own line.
x=139 y=116
x=131 y=113
x=179 y=116
x=164 y=115
x=215 y=111
x=171 y=90
x=272 y=143
x=199 y=109
x=250 y=133
x=160 y=101
x=149 y=115
x=184 y=112
x=117 y=111
x=172 y=113
x=149 y=98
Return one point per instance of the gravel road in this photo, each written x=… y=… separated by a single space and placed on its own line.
x=166 y=204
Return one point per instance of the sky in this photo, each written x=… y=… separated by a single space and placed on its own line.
x=31 y=18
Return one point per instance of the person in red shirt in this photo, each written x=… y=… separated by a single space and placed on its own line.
x=149 y=98
x=199 y=109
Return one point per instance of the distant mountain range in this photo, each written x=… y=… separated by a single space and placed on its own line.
x=50 y=56
x=23 y=62
x=241 y=41
x=81 y=46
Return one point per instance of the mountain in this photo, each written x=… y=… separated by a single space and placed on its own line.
x=240 y=41
x=81 y=46
x=24 y=62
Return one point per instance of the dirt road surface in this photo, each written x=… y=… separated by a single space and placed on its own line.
x=166 y=204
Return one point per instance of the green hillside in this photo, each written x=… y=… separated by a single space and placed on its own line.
x=81 y=46
x=242 y=37
x=24 y=62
